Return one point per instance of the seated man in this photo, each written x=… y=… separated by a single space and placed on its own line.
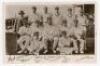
x=79 y=38
x=64 y=45
x=24 y=38
x=36 y=43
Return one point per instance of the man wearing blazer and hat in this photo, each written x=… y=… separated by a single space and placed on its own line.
x=21 y=19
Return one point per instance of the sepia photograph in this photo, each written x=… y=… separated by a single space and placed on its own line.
x=41 y=30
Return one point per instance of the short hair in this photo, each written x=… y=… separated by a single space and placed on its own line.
x=69 y=9
x=34 y=8
x=46 y=7
x=56 y=8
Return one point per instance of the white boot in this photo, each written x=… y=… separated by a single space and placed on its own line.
x=81 y=52
x=76 y=51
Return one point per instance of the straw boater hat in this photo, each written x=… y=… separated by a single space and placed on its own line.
x=21 y=12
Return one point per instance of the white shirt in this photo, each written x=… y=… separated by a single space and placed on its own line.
x=77 y=32
x=57 y=20
x=69 y=20
x=22 y=30
x=46 y=17
x=82 y=20
x=33 y=29
x=34 y=17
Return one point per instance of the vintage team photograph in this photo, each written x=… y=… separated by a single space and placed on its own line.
x=67 y=29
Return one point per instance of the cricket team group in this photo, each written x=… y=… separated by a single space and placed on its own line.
x=52 y=33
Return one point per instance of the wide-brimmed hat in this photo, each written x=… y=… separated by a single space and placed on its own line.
x=21 y=12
